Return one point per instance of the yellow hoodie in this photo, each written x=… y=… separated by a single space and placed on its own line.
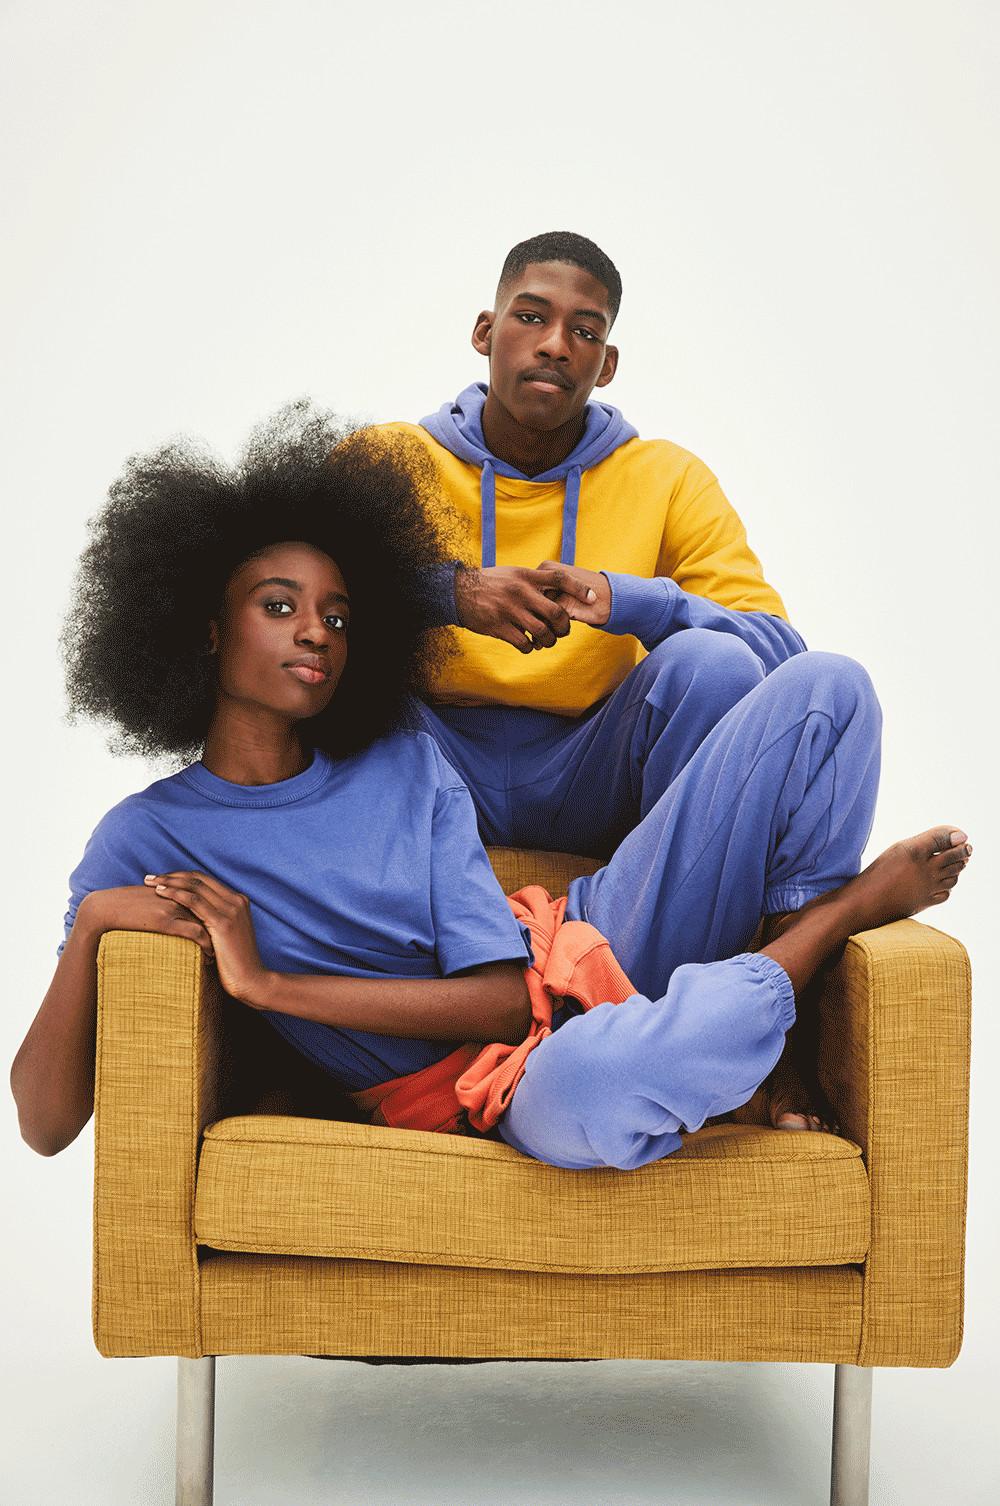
x=649 y=509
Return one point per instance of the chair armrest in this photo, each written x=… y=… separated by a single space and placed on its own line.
x=174 y=1053
x=157 y=1084
x=895 y=1019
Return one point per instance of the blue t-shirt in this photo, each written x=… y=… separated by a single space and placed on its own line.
x=368 y=867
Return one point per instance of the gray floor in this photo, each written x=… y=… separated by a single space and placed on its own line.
x=317 y=1433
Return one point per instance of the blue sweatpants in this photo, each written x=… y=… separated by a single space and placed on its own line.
x=579 y=784
x=774 y=807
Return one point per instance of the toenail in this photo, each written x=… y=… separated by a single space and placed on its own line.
x=968 y=849
x=956 y=837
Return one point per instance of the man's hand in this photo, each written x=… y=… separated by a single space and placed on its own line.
x=508 y=602
x=595 y=608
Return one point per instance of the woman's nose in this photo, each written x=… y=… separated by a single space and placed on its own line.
x=312 y=630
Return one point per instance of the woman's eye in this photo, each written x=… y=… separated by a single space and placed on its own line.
x=277 y=608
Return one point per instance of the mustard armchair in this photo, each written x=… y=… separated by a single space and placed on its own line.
x=240 y=1208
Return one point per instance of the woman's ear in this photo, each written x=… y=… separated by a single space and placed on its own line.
x=212 y=646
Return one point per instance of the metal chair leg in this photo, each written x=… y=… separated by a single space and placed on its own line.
x=195 y=1431
x=852 y=1428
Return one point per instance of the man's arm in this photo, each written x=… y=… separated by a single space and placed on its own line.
x=707 y=576
x=504 y=601
x=653 y=610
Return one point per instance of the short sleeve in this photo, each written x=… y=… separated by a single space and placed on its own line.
x=109 y=862
x=473 y=922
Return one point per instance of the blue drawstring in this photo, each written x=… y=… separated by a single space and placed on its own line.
x=488 y=501
x=567 y=551
x=488 y=506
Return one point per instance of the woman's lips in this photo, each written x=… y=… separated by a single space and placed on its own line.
x=308 y=675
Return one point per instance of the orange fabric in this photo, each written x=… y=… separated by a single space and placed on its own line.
x=475 y=1084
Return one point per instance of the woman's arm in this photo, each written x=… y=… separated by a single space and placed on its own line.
x=488 y=1002
x=485 y=1003
x=52 y=1077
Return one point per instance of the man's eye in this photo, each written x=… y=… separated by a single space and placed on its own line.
x=340 y=623
x=277 y=608
x=589 y=333
x=526 y=314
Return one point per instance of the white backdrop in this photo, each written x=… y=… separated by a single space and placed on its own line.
x=213 y=207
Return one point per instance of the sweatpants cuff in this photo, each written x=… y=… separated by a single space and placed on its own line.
x=780 y=984
x=792 y=897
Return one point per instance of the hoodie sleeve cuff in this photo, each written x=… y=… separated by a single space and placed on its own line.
x=644 y=608
x=438 y=594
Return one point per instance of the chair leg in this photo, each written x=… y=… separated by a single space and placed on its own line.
x=195 y=1431
x=852 y=1428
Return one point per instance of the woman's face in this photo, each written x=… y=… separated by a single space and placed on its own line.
x=282 y=636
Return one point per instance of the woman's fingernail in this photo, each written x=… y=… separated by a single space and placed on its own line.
x=150 y=878
x=591 y=595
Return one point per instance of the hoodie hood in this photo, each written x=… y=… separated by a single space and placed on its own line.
x=458 y=426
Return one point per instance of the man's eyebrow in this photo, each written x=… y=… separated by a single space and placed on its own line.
x=294 y=585
x=577 y=313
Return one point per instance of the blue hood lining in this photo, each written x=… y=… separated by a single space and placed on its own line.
x=458 y=426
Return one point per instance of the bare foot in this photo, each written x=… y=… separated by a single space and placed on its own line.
x=791 y=1104
x=792 y=1093
x=908 y=877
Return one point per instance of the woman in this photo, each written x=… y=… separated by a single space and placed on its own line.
x=325 y=857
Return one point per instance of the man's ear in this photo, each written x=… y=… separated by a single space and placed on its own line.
x=482 y=331
x=610 y=366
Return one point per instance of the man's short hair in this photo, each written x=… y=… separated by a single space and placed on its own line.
x=564 y=245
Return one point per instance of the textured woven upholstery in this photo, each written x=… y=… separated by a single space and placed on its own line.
x=736 y=1196
x=240 y=1208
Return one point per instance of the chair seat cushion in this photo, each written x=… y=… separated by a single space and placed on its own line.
x=733 y=1195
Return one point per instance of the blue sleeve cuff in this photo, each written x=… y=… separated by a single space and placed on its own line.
x=439 y=595
x=639 y=606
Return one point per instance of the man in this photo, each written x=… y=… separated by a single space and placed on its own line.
x=567 y=736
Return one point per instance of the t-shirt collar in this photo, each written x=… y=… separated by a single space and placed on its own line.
x=284 y=792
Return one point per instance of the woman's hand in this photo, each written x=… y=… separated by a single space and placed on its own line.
x=225 y=916
x=138 y=908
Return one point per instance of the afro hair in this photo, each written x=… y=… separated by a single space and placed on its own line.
x=178 y=523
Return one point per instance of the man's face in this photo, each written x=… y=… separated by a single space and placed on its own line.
x=547 y=343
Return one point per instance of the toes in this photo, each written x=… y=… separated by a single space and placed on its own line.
x=939 y=840
x=792 y=1121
